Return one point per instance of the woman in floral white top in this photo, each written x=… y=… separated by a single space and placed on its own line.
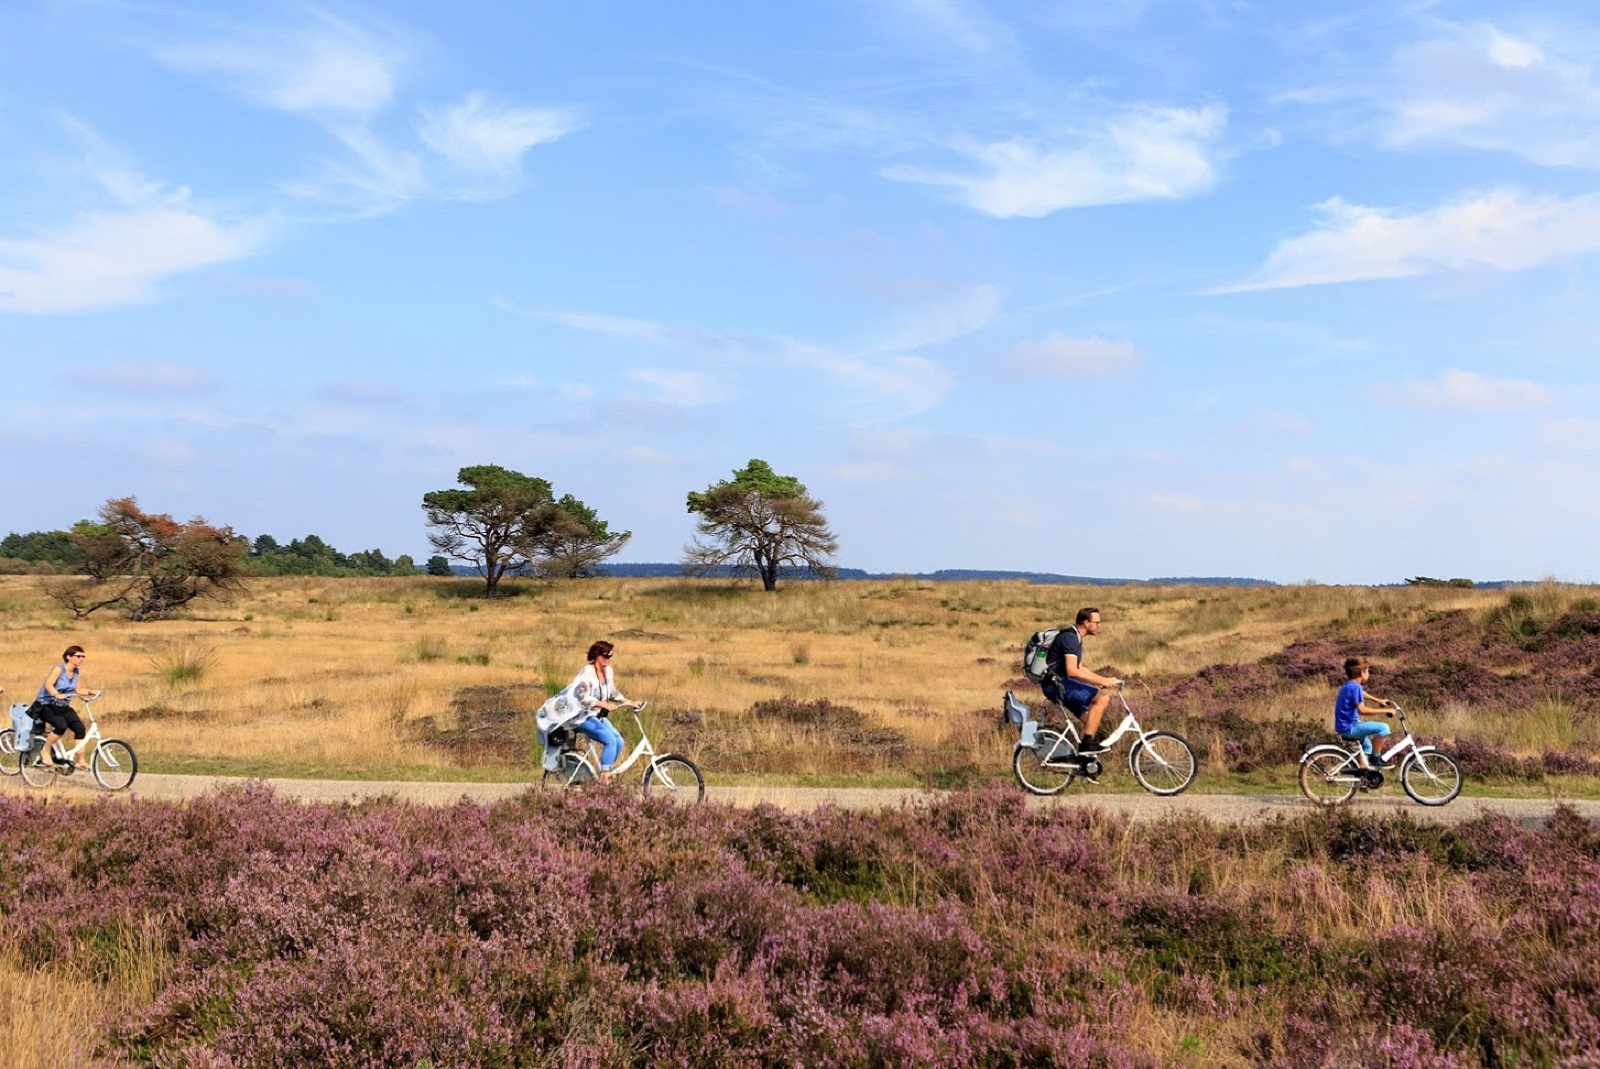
x=583 y=706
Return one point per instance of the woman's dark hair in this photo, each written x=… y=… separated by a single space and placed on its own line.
x=600 y=649
x=70 y=650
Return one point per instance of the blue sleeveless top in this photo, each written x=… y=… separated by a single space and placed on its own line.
x=66 y=686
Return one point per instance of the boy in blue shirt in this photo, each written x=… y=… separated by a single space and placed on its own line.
x=1351 y=703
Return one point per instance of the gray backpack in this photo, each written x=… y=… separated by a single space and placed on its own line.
x=1036 y=653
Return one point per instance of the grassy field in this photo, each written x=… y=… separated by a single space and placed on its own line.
x=590 y=929
x=878 y=682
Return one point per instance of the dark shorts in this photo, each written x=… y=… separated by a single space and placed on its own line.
x=59 y=717
x=1070 y=694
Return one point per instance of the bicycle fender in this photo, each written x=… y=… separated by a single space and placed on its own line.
x=1326 y=747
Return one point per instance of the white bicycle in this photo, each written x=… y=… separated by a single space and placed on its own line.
x=669 y=775
x=112 y=761
x=1045 y=761
x=1331 y=773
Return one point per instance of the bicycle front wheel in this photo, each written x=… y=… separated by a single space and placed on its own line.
x=572 y=771
x=1329 y=776
x=1163 y=763
x=1431 y=778
x=675 y=778
x=8 y=750
x=1036 y=775
x=114 y=765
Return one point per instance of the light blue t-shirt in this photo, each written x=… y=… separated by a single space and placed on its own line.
x=66 y=686
x=1346 y=707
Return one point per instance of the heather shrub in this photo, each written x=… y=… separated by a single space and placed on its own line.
x=601 y=929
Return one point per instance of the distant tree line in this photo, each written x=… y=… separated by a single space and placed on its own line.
x=499 y=522
x=62 y=552
x=312 y=556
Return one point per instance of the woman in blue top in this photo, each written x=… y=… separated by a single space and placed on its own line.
x=1351 y=703
x=54 y=703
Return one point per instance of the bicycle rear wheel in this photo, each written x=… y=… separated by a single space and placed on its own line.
x=114 y=765
x=676 y=778
x=572 y=771
x=8 y=750
x=1431 y=778
x=1034 y=774
x=1163 y=763
x=35 y=766
x=1329 y=776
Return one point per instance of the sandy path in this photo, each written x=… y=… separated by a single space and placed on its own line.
x=1218 y=807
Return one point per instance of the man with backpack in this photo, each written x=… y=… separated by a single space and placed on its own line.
x=1069 y=684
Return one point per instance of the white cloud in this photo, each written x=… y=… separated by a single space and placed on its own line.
x=1482 y=87
x=952 y=316
x=689 y=389
x=364 y=393
x=1059 y=356
x=897 y=383
x=111 y=259
x=1503 y=230
x=327 y=67
x=1466 y=391
x=1178 y=503
x=1570 y=434
x=147 y=377
x=1137 y=153
x=344 y=76
x=959 y=25
x=482 y=138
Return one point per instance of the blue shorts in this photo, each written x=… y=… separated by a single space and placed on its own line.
x=1365 y=731
x=1070 y=693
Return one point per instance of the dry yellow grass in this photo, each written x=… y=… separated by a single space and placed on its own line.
x=52 y=1015
x=330 y=675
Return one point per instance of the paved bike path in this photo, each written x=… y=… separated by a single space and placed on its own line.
x=1224 y=808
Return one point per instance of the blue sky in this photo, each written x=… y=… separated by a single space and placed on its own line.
x=1293 y=291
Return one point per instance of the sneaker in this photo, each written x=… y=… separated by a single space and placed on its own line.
x=1091 y=745
x=1377 y=761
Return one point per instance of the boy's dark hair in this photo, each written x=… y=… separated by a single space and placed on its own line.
x=1083 y=616
x=1353 y=666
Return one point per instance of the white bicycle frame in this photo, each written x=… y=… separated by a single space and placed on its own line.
x=92 y=735
x=1129 y=725
x=1395 y=755
x=588 y=766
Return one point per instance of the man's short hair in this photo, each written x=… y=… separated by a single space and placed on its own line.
x=1083 y=616
x=1354 y=666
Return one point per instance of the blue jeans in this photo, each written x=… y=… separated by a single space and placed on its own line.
x=1366 y=731
x=609 y=738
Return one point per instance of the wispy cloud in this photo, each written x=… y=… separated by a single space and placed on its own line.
x=949 y=317
x=146 y=377
x=965 y=27
x=1465 y=391
x=686 y=389
x=364 y=393
x=327 y=67
x=1059 y=356
x=1484 y=87
x=108 y=259
x=1134 y=153
x=485 y=139
x=345 y=76
x=898 y=381
x=1503 y=231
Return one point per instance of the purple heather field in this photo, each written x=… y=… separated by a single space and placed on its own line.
x=601 y=929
